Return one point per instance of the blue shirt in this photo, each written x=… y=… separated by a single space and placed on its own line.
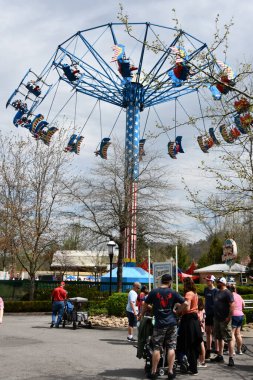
x=163 y=301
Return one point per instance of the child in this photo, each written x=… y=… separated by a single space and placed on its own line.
x=1 y=310
x=202 y=316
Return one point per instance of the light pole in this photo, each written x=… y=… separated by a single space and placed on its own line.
x=111 y=244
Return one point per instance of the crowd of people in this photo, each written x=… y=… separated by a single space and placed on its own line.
x=196 y=326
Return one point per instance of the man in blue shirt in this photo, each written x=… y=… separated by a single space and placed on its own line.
x=164 y=335
x=209 y=294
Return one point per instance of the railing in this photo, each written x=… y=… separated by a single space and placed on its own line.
x=248 y=304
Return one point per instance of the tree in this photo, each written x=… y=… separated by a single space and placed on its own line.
x=31 y=177
x=102 y=203
x=215 y=251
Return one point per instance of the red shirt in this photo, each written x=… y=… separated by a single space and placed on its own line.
x=59 y=294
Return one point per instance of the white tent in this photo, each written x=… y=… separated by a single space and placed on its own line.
x=238 y=271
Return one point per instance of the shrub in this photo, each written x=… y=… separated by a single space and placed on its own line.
x=27 y=306
x=116 y=304
x=247 y=296
x=244 y=289
x=248 y=315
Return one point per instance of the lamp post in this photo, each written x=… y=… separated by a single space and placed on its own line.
x=111 y=244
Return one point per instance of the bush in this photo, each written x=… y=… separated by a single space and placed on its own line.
x=98 y=307
x=116 y=304
x=199 y=287
x=27 y=306
x=247 y=296
x=248 y=315
x=244 y=289
x=95 y=307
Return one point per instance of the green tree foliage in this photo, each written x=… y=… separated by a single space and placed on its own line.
x=214 y=254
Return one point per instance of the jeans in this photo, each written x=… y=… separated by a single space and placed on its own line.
x=58 y=308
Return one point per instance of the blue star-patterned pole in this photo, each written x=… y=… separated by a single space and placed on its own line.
x=133 y=97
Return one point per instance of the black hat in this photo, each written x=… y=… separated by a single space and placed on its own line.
x=166 y=278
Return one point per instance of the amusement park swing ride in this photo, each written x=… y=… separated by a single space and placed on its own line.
x=98 y=62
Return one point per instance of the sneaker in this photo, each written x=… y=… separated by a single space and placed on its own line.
x=231 y=362
x=152 y=376
x=239 y=353
x=202 y=365
x=217 y=359
x=52 y=325
x=171 y=376
x=131 y=339
x=57 y=326
x=193 y=373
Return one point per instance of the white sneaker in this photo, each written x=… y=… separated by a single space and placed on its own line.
x=202 y=365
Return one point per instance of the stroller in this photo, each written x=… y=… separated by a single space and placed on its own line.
x=76 y=313
x=145 y=351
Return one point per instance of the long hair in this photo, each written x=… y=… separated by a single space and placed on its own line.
x=189 y=285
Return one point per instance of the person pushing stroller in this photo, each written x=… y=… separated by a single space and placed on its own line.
x=164 y=334
x=59 y=296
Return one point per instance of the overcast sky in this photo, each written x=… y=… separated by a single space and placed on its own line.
x=31 y=30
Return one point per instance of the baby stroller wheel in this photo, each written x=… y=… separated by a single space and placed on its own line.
x=183 y=368
x=161 y=372
x=244 y=348
x=147 y=369
x=63 y=323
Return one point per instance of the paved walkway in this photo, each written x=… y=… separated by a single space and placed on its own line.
x=29 y=349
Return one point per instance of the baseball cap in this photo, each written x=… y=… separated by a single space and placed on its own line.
x=166 y=278
x=222 y=280
x=62 y=283
x=210 y=277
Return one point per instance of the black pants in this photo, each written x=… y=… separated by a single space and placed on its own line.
x=189 y=339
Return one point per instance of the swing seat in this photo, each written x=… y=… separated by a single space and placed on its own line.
x=74 y=144
x=69 y=73
x=124 y=68
x=104 y=145
x=178 y=142
x=216 y=94
x=141 y=149
x=181 y=71
x=246 y=120
x=46 y=136
x=35 y=90
x=78 y=144
x=226 y=135
x=235 y=132
x=242 y=105
x=175 y=81
x=40 y=126
x=213 y=137
x=119 y=51
x=17 y=117
x=171 y=151
x=19 y=105
x=203 y=143
x=222 y=88
x=243 y=129
x=35 y=123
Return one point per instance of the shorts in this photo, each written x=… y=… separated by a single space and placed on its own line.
x=132 y=319
x=165 y=337
x=222 y=330
x=237 y=321
x=209 y=320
